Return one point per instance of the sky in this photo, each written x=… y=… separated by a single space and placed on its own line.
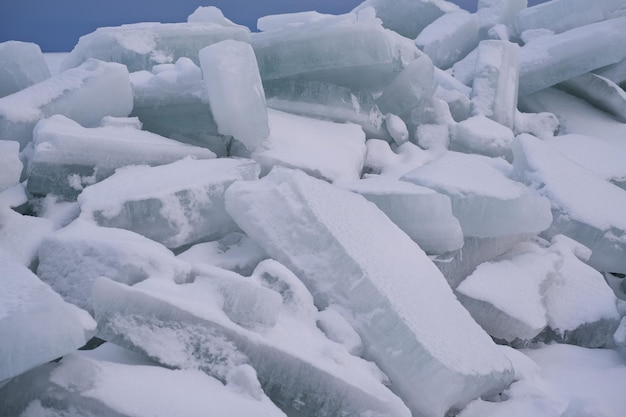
x=56 y=25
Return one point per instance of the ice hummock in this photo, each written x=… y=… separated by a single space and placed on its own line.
x=175 y=204
x=85 y=94
x=21 y=65
x=382 y=278
x=68 y=157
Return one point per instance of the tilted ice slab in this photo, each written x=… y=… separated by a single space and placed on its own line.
x=21 y=236
x=235 y=91
x=68 y=157
x=481 y=135
x=82 y=386
x=423 y=214
x=359 y=55
x=36 y=325
x=486 y=202
x=183 y=326
x=349 y=253
x=85 y=94
x=327 y=150
x=72 y=258
x=600 y=92
x=590 y=212
x=494 y=12
x=176 y=204
x=551 y=59
x=11 y=164
x=21 y=65
x=614 y=72
x=140 y=46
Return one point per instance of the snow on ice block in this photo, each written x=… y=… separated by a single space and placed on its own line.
x=486 y=202
x=494 y=12
x=585 y=208
x=600 y=92
x=11 y=164
x=358 y=54
x=85 y=94
x=72 y=258
x=349 y=253
x=327 y=150
x=481 y=135
x=82 y=386
x=449 y=38
x=549 y=60
x=495 y=86
x=140 y=46
x=235 y=91
x=614 y=72
x=21 y=65
x=183 y=326
x=176 y=204
x=423 y=214
x=68 y=157
x=408 y=17
x=21 y=236
x=36 y=325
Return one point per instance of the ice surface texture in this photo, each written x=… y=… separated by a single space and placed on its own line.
x=382 y=278
x=21 y=65
x=11 y=164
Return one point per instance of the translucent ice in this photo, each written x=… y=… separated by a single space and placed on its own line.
x=175 y=204
x=21 y=65
x=481 y=135
x=36 y=325
x=350 y=254
x=68 y=157
x=85 y=94
x=235 y=91
x=600 y=92
x=10 y=163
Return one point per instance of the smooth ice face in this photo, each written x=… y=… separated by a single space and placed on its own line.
x=11 y=164
x=331 y=151
x=36 y=325
x=600 y=92
x=68 y=157
x=486 y=202
x=235 y=91
x=85 y=94
x=481 y=135
x=140 y=46
x=423 y=214
x=72 y=258
x=575 y=208
x=21 y=65
x=384 y=283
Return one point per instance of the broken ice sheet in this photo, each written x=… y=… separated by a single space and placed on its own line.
x=21 y=65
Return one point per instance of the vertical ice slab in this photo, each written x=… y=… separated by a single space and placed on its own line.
x=235 y=91
x=495 y=86
x=36 y=325
x=349 y=253
x=21 y=65
x=85 y=94
x=176 y=204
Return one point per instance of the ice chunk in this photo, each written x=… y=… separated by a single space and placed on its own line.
x=614 y=72
x=423 y=214
x=175 y=204
x=68 y=157
x=494 y=12
x=319 y=232
x=549 y=61
x=235 y=91
x=495 y=86
x=182 y=326
x=449 y=38
x=72 y=258
x=544 y=125
x=463 y=70
x=140 y=46
x=397 y=128
x=458 y=103
x=11 y=164
x=481 y=135
x=434 y=138
x=486 y=202
x=311 y=18
x=600 y=92
x=620 y=337
x=85 y=94
x=381 y=159
x=21 y=235
x=337 y=328
x=36 y=325
x=575 y=209
x=332 y=151
x=408 y=17
x=211 y=14
x=21 y=65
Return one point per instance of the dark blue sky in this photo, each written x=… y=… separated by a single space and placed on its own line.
x=56 y=25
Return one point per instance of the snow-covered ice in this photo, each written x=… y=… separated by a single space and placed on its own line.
x=21 y=65
x=11 y=164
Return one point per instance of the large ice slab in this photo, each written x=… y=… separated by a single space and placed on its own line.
x=600 y=92
x=11 y=164
x=21 y=65
x=68 y=157
x=575 y=209
x=72 y=258
x=349 y=253
x=176 y=204
x=140 y=46
x=36 y=325
x=235 y=91
x=85 y=94
x=332 y=151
